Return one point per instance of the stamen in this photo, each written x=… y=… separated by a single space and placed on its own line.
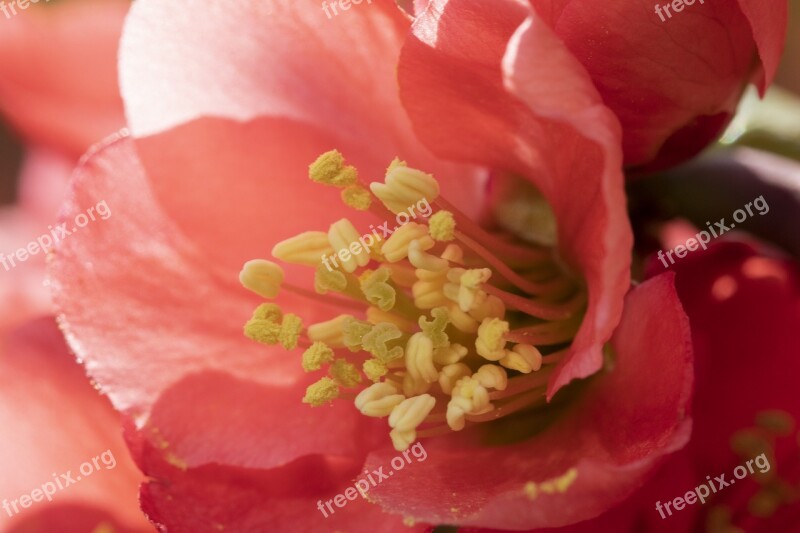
x=396 y=246
x=378 y=400
x=341 y=235
x=345 y=374
x=323 y=391
x=329 y=169
x=262 y=277
x=316 y=355
x=405 y=186
x=357 y=197
x=304 y=249
x=405 y=418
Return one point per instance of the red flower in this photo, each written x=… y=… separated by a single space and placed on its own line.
x=58 y=83
x=217 y=420
x=672 y=72
x=54 y=422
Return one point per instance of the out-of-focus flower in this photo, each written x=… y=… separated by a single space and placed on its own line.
x=221 y=428
x=58 y=75
x=54 y=422
x=672 y=78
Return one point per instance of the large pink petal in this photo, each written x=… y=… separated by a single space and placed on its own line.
x=768 y=21
x=614 y=433
x=280 y=74
x=58 y=72
x=555 y=132
x=54 y=422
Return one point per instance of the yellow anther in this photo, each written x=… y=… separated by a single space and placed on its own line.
x=291 y=327
x=378 y=399
x=316 y=355
x=376 y=316
x=451 y=374
x=396 y=246
x=414 y=386
x=448 y=355
x=523 y=358
x=457 y=408
x=556 y=485
x=343 y=236
x=375 y=369
x=488 y=306
x=492 y=377
x=404 y=187
x=419 y=358
x=357 y=197
x=308 y=248
x=344 y=373
x=331 y=332
x=491 y=340
x=326 y=280
x=354 y=332
x=469 y=293
x=377 y=290
x=435 y=328
x=442 y=226
x=263 y=331
x=377 y=340
x=461 y=320
x=323 y=391
x=329 y=168
x=424 y=260
x=268 y=311
x=776 y=421
x=454 y=253
x=262 y=277
x=471 y=389
x=411 y=412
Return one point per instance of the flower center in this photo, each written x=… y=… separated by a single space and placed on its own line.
x=447 y=324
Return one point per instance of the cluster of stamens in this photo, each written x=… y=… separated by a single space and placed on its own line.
x=448 y=323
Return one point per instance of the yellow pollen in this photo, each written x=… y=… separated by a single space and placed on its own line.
x=396 y=246
x=357 y=197
x=262 y=277
x=556 y=485
x=316 y=355
x=291 y=327
x=345 y=374
x=469 y=292
x=378 y=400
x=343 y=236
x=330 y=332
x=375 y=369
x=305 y=249
x=323 y=391
x=491 y=339
x=377 y=290
x=442 y=226
x=265 y=325
x=329 y=168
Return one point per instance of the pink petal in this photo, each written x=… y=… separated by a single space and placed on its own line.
x=613 y=433
x=58 y=72
x=768 y=21
x=56 y=422
x=555 y=132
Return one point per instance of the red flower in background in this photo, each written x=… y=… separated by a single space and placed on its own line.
x=217 y=420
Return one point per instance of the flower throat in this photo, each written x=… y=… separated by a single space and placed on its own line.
x=443 y=324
